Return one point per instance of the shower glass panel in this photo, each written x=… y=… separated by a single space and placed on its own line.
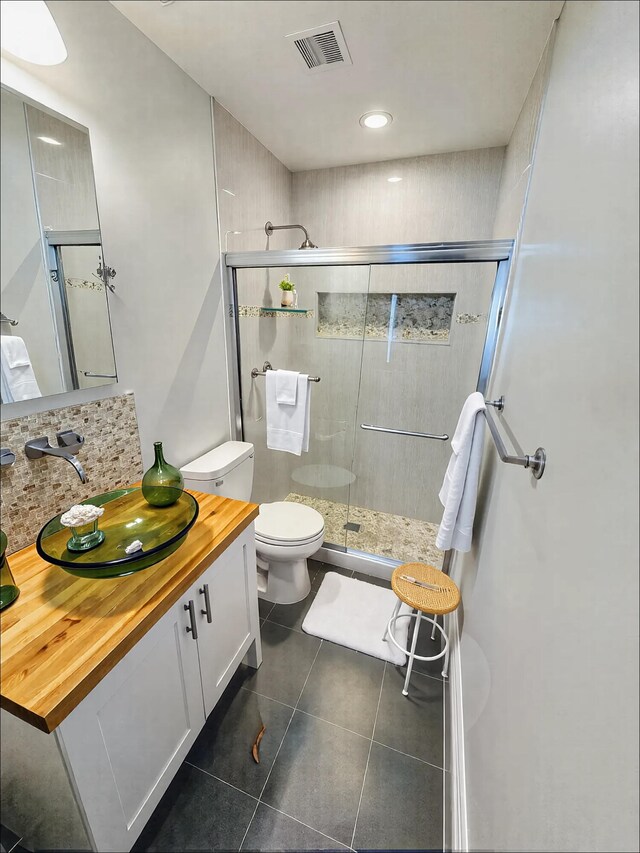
x=302 y=340
x=86 y=311
x=424 y=334
x=400 y=336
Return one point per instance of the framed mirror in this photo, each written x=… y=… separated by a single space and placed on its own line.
x=55 y=330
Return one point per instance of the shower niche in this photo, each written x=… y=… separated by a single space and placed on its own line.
x=409 y=317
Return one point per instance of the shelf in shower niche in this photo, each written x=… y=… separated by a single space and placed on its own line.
x=127 y=516
x=285 y=311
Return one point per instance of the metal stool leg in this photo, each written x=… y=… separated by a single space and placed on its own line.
x=433 y=630
x=445 y=668
x=405 y=689
x=395 y=613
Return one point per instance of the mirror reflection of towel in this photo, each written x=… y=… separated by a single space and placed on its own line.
x=18 y=378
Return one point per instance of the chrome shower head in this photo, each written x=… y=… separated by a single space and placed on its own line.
x=269 y=229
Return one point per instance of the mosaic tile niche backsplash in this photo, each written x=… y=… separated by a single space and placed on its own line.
x=415 y=317
x=34 y=490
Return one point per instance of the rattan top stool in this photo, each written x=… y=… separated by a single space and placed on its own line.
x=444 y=598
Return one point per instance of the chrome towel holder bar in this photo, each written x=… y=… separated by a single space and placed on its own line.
x=536 y=463
x=267 y=366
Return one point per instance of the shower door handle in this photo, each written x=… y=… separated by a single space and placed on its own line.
x=374 y=428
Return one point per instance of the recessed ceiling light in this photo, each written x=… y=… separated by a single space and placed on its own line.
x=376 y=120
x=30 y=33
x=49 y=140
x=394 y=179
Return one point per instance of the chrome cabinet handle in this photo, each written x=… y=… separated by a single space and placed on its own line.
x=207 y=603
x=192 y=619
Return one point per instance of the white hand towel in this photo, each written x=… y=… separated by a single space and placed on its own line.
x=14 y=351
x=287 y=387
x=460 y=486
x=288 y=426
x=18 y=378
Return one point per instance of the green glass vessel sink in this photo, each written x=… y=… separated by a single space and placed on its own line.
x=127 y=517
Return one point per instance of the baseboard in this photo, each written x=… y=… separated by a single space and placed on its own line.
x=455 y=833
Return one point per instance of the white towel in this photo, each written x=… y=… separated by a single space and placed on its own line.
x=460 y=486
x=288 y=426
x=18 y=378
x=287 y=387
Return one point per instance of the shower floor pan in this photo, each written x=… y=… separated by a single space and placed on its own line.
x=394 y=537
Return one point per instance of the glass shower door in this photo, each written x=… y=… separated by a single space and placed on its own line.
x=323 y=337
x=423 y=341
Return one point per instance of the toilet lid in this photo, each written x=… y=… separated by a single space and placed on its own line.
x=284 y=521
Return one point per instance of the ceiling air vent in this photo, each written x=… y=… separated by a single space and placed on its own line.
x=321 y=47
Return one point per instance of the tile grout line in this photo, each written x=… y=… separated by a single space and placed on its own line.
x=279 y=748
x=251 y=796
x=408 y=755
x=351 y=731
x=218 y=779
x=302 y=823
x=364 y=778
x=266 y=618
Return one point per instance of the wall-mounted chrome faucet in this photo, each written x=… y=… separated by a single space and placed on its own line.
x=7 y=456
x=69 y=442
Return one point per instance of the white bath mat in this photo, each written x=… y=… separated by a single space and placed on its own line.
x=354 y=614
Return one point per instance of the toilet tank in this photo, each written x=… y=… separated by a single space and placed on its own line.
x=226 y=470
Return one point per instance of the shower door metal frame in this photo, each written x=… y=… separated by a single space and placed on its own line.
x=499 y=252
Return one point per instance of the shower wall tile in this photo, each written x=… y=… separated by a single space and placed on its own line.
x=253 y=188
x=404 y=386
x=34 y=490
x=442 y=197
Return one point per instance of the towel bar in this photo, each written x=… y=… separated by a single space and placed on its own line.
x=537 y=462
x=267 y=366
x=375 y=428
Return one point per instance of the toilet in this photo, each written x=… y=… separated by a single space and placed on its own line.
x=286 y=533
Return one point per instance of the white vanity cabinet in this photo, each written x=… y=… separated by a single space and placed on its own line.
x=123 y=743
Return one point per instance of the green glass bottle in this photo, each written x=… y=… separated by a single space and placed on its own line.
x=162 y=484
x=8 y=589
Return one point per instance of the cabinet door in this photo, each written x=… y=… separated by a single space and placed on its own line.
x=233 y=599
x=127 y=738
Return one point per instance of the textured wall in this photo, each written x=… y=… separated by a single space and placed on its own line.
x=550 y=641
x=440 y=197
x=253 y=188
x=34 y=490
x=519 y=154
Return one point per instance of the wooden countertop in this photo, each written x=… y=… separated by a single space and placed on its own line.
x=64 y=634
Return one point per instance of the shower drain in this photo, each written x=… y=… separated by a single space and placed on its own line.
x=350 y=525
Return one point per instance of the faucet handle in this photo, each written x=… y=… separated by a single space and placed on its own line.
x=70 y=440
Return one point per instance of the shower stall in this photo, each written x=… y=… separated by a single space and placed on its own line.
x=398 y=337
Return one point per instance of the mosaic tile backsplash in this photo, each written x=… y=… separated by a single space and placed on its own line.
x=34 y=490
x=417 y=317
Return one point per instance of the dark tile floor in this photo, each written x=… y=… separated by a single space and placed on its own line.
x=346 y=762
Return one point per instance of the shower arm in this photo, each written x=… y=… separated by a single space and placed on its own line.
x=269 y=228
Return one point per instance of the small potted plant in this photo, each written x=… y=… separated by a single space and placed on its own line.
x=289 y=295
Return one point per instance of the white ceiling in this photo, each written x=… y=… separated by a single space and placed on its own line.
x=453 y=74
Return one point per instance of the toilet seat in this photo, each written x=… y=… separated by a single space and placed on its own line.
x=285 y=523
